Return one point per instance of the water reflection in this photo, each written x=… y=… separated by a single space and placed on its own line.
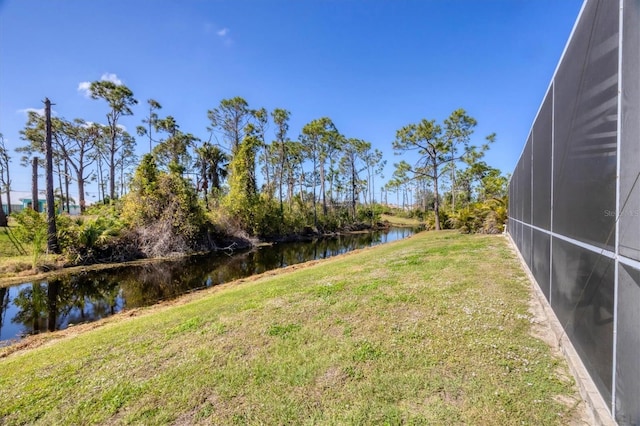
x=59 y=302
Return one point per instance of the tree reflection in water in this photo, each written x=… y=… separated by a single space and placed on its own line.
x=88 y=296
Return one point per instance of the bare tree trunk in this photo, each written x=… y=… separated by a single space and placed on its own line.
x=302 y=184
x=81 y=200
x=372 y=177
x=59 y=186
x=290 y=186
x=8 y=188
x=436 y=204
x=315 y=212
x=353 y=187
x=453 y=182
x=281 y=170
x=266 y=165
x=3 y=218
x=52 y=234
x=66 y=185
x=100 y=180
x=122 y=177
x=322 y=188
x=34 y=184
x=8 y=200
x=112 y=175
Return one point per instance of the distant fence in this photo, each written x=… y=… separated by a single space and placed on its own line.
x=15 y=208
x=574 y=199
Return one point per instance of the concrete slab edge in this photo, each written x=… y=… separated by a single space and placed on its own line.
x=597 y=407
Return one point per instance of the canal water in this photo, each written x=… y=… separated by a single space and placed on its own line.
x=57 y=303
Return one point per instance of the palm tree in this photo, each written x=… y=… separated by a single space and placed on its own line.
x=212 y=163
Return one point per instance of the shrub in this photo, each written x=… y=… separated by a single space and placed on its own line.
x=31 y=229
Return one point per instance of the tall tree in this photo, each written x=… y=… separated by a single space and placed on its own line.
x=126 y=161
x=173 y=152
x=426 y=138
x=52 y=234
x=211 y=163
x=150 y=121
x=61 y=137
x=458 y=130
x=436 y=147
x=281 y=119
x=294 y=169
x=261 y=119
x=351 y=164
x=5 y=177
x=230 y=118
x=375 y=165
x=120 y=100
x=241 y=201
x=63 y=149
x=34 y=133
x=81 y=152
x=320 y=139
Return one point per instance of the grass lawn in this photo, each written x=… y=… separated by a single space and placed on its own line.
x=17 y=259
x=12 y=260
x=7 y=248
x=434 y=329
x=400 y=221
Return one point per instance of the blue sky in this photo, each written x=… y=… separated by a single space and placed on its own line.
x=371 y=66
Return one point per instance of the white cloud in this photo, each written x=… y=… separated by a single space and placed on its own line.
x=111 y=77
x=39 y=111
x=121 y=127
x=83 y=87
x=223 y=32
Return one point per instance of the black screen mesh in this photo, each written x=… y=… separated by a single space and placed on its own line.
x=526 y=245
x=628 y=347
x=582 y=298
x=542 y=164
x=565 y=185
x=525 y=183
x=540 y=260
x=630 y=136
x=585 y=129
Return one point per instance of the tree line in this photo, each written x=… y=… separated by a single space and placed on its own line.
x=249 y=176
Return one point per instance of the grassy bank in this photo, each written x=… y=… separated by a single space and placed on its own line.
x=17 y=258
x=400 y=221
x=7 y=248
x=430 y=330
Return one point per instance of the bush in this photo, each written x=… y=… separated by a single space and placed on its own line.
x=486 y=217
x=163 y=207
x=369 y=214
x=82 y=239
x=31 y=230
x=430 y=220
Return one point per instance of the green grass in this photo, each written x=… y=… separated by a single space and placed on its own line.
x=434 y=329
x=7 y=248
x=401 y=221
x=12 y=260
x=17 y=258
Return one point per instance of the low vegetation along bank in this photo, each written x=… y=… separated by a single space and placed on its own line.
x=433 y=329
